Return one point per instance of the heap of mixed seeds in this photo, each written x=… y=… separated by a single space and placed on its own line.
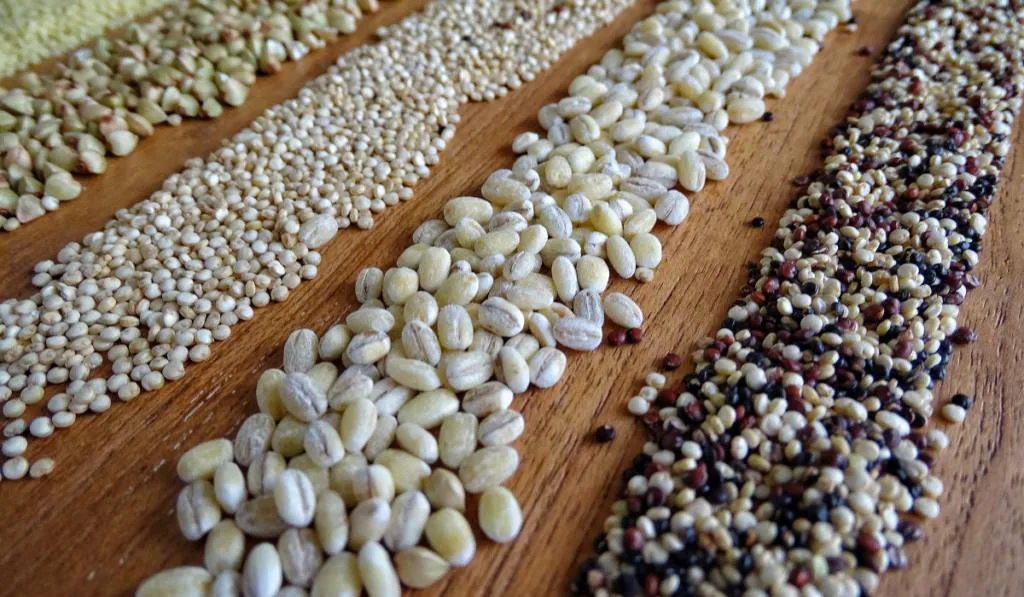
x=795 y=459
x=191 y=60
x=375 y=431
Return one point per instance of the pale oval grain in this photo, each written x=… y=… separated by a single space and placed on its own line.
x=225 y=548
x=501 y=317
x=197 y=510
x=318 y=475
x=450 y=535
x=268 y=393
x=368 y=348
x=428 y=409
x=468 y=370
x=454 y=327
x=334 y=342
x=288 y=437
x=623 y=310
x=413 y=374
x=388 y=395
x=501 y=427
x=547 y=367
x=229 y=487
x=377 y=572
x=338 y=577
x=515 y=371
x=417 y=441
x=331 y=522
x=407 y=471
x=184 y=581
x=420 y=342
x=592 y=273
x=370 y=319
x=295 y=498
x=300 y=351
x=500 y=516
x=587 y=305
x=262 y=575
x=672 y=208
x=323 y=444
x=226 y=584
x=488 y=467
x=577 y=333
x=444 y=490
x=419 y=567
x=202 y=460
x=368 y=521
x=647 y=250
x=263 y=472
x=361 y=483
x=253 y=438
x=564 y=276
x=357 y=424
x=457 y=438
x=382 y=436
x=350 y=386
x=621 y=257
x=302 y=397
x=300 y=554
x=258 y=517
x=409 y=514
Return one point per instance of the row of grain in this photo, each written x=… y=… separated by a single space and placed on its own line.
x=796 y=459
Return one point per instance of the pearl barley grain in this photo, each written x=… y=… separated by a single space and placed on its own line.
x=500 y=516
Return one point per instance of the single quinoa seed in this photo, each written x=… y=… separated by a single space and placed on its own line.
x=617 y=337
x=757 y=222
x=635 y=335
x=604 y=434
x=671 y=362
x=964 y=335
x=962 y=400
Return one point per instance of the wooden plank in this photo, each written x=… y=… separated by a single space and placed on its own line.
x=104 y=520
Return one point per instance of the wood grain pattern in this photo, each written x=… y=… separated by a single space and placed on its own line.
x=104 y=520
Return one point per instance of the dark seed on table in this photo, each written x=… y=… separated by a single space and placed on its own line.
x=768 y=116
x=962 y=400
x=671 y=362
x=964 y=335
x=757 y=222
x=604 y=434
x=617 y=337
x=634 y=335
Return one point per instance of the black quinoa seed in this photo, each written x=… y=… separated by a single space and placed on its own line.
x=604 y=434
x=962 y=400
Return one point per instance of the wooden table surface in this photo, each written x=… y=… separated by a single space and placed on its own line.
x=104 y=520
